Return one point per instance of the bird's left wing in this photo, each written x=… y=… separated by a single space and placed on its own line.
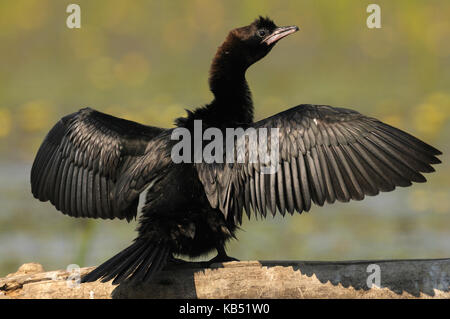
x=325 y=154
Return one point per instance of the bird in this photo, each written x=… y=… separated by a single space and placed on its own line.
x=95 y=165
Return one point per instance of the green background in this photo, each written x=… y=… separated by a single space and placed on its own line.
x=149 y=60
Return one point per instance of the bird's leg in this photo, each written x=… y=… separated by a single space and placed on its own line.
x=221 y=256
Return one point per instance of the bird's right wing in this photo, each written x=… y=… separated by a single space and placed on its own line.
x=325 y=154
x=84 y=157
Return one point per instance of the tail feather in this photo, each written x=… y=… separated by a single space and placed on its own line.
x=139 y=262
x=136 y=266
x=128 y=264
x=108 y=266
x=158 y=263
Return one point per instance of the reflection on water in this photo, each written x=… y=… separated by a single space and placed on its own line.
x=381 y=227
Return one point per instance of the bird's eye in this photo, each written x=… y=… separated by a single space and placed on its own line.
x=261 y=33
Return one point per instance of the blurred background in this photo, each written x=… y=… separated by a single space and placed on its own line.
x=149 y=60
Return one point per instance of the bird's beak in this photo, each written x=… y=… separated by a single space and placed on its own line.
x=279 y=33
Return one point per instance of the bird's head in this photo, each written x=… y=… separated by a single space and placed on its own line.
x=251 y=43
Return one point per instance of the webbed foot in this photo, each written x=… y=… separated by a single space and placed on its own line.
x=220 y=258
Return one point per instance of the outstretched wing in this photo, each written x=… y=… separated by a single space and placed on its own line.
x=83 y=157
x=325 y=154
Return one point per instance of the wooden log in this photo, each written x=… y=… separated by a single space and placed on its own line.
x=426 y=278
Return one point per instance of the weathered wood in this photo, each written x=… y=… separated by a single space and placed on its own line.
x=428 y=278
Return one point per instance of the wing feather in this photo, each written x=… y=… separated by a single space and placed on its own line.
x=84 y=156
x=325 y=154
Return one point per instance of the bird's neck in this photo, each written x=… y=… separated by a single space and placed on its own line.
x=232 y=105
x=232 y=96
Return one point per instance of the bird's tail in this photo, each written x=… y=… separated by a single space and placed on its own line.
x=139 y=262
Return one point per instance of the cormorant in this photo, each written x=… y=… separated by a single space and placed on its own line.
x=95 y=165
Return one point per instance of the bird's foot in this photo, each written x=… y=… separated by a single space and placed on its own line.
x=220 y=259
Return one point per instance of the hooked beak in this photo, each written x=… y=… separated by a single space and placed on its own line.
x=279 y=33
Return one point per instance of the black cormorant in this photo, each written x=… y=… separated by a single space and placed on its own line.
x=95 y=165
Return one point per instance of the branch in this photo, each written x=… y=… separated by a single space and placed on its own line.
x=249 y=279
